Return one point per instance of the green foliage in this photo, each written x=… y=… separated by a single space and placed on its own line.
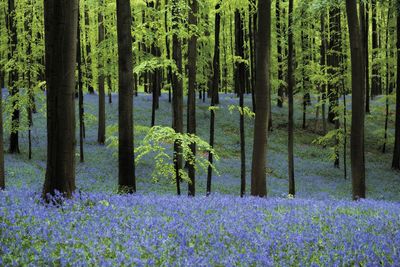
x=159 y=142
x=246 y=111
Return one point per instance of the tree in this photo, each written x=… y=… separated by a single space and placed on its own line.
x=191 y=106
x=126 y=166
x=240 y=69
x=177 y=91
x=61 y=21
x=2 y=180
x=280 y=53
x=375 y=85
x=290 y=100
x=358 y=108
x=101 y=133
x=263 y=43
x=13 y=79
x=396 y=152
x=214 y=91
x=80 y=90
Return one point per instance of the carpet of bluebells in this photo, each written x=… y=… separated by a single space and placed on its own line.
x=100 y=229
x=320 y=227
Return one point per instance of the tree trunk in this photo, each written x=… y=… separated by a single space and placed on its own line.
x=358 y=108
x=88 y=61
x=375 y=87
x=126 y=175
x=323 y=66
x=177 y=94
x=13 y=78
x=214 y=92
x=396 y=151
x=263 y=48
x=292 y=189
x=80 y=90
x=191 y=106
x=279 y=50
x=61 y=22
x=239 y=85
x=364 y=19
x=2 y=176
x=101 y=131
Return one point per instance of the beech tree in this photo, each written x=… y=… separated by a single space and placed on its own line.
x=61 y=21
x=358 y=108
x=263 y=43
x=126 y=165
x=396 y=152
x=101 y=132
x=191 y=106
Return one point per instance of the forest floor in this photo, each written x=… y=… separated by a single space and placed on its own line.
x=315 y=174
x=320 y=227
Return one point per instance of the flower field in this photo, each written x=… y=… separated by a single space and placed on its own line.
x=320 y=227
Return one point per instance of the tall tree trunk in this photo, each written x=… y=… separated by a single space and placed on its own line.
x=2 y=176
x=239 y=85
x=323 y=66
x=364 y=19
x=126 y=175
x=13 y=78
x=61 y=22
x=191 y=106
x=396 y=151
x=358 y=108
x=88 y=61
x=80 y=90
x=252 y=39
x=333 y=59
x=292 y=189
x=214 y=92
x=375 y=87
x=279 y=50
x=387 y=91
x=168 y=51
x=177 y=94
x=263 y=48
x=101 y=131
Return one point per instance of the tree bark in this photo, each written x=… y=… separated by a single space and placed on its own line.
x=126 y=175
x=358 y=108
x=61 y=21
x=13 y=78
x=191 y=106
x=240 y=87
x=375 y=86
x=279 y=51
x=396 y=151
x=101 y=131
x=263 y=47
x=177 y=94
x=292 y=189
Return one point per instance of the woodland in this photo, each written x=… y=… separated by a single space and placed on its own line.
x=200 y=133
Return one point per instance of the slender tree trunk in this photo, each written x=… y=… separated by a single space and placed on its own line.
x=2 y=176
x=375 y=89
x=168 y=50
x=80 y=90
x=177 y=94
x=364 y=19
x=387 y=81
x=263 y=48
x=323 y=66
x=239 y=85
x=13 y=78
x=396 y=151
x=191 y=106
x=292 y=189
x=88 y=61
x=279 y=50
x=101 y=132
x=61 y=22
x=126 y=180
x=214 y=92
x=358 y=105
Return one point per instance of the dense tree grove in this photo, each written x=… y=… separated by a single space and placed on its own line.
x=322 y=52
x=129 y=129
